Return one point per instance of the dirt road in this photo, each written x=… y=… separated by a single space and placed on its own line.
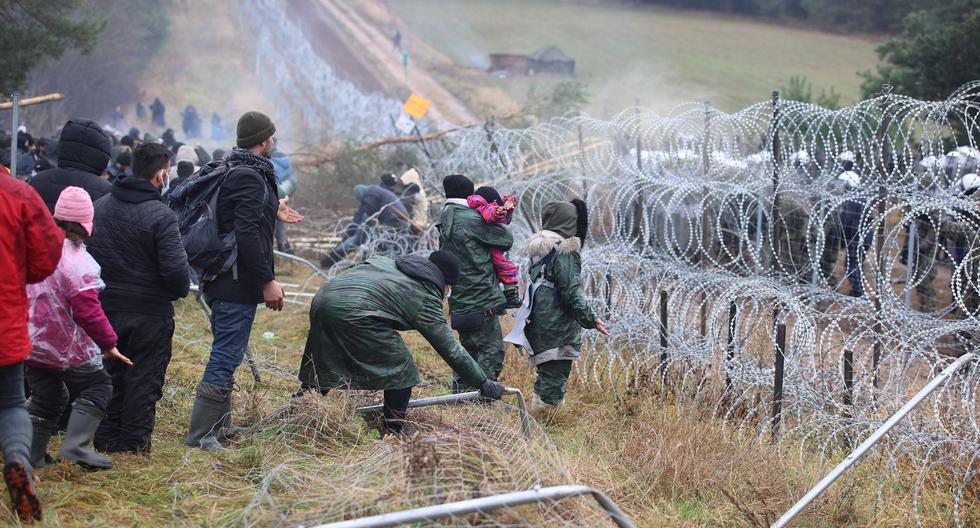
x=376 y=47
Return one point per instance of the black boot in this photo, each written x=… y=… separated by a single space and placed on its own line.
x=229 y=431
x=211 y=406
x=84 y=420
x=43 y=429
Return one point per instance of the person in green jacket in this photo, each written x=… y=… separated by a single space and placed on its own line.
x=477 y=299
x=354 y=323
x=555 y=310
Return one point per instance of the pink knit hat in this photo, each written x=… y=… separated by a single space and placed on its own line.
x=75 y=205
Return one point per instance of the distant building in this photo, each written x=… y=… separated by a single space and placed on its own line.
x=549 y=60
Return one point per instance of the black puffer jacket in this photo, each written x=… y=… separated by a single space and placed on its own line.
x=83 y=153
x=137 y=243
x=247 y=206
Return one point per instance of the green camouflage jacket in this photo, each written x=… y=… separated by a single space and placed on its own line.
x=559 y=311
x=464 y=233
x=355 y=319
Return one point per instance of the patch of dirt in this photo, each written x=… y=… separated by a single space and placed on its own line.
x=377 y=45
x=330 y=43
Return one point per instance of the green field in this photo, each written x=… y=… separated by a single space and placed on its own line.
x=659 y=57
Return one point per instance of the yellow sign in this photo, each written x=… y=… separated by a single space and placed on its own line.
x=416 y=106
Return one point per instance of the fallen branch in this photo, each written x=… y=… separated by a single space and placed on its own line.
x=315 y=159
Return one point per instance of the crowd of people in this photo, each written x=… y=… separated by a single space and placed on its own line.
x=114 y=230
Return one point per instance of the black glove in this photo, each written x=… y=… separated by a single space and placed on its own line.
x=491 y=390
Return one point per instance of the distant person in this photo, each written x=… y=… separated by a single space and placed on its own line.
x=44 y=154
x=138 y=246
x=355 y=320
x=191 y=122
x=25 y=155
x=158 y=110
x=169 y=139
x=389 y=181
x=287 y=184
x=397 y=40
x=83 y=155
x=34 y=245
x=414 y=199
x=217 y=129
x=118 y=118
x=184 y=171
x=140 y=111
x=121 y=166
x=378 y=205
x=70 y=335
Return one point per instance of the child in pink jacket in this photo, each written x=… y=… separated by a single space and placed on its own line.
x=70 y=335
x=499 y=210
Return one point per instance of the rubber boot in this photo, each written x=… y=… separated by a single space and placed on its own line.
x=82 y=424
x=43 y=429
x=20 y=484
x=229 y=431
x=542 y=409
x=211 y=406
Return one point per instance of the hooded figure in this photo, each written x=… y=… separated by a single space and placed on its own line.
x=549 y=325
x=83 y=154
x=354 y=323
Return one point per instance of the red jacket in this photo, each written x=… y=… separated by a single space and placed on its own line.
x=30 y=247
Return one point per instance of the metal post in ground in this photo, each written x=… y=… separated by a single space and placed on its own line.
x=705 y=219
x=777 y=385
x=663 y=336
x=848 y=381
x=910 y=258
x=732 y=331
x=882 y=279
x=15 y=99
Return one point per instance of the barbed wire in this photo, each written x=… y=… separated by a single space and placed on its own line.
x=853 y=230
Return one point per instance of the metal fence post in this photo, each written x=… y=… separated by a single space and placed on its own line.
x=14 y=125
x=780 y=348
x=910 y=258
x=663 y=337
x=705 y=231
x=777 y=386
x=732 y=331
x=848 y=381
x=881 y=269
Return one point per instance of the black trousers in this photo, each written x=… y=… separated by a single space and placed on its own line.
x=393 y=411
x=50 y=387
x=131 y=415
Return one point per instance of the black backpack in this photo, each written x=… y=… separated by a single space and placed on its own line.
x=195 y=201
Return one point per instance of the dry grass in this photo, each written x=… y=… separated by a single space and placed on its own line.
x=312 y=459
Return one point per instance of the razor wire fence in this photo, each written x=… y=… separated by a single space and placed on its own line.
x=804 y=271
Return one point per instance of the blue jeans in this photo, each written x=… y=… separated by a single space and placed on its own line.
x=231 y=324
x=15 y=423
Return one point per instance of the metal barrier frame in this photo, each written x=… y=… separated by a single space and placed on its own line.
x=483 y=504
x=865 y=446
x=451 y=399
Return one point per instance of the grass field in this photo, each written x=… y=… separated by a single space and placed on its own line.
x=665 y=465
x=659 y=57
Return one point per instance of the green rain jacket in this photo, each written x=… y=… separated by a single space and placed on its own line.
x=354 y=324
x=464 y=233
x=559 y=311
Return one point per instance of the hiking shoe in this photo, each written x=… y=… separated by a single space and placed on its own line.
x=23 y=496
